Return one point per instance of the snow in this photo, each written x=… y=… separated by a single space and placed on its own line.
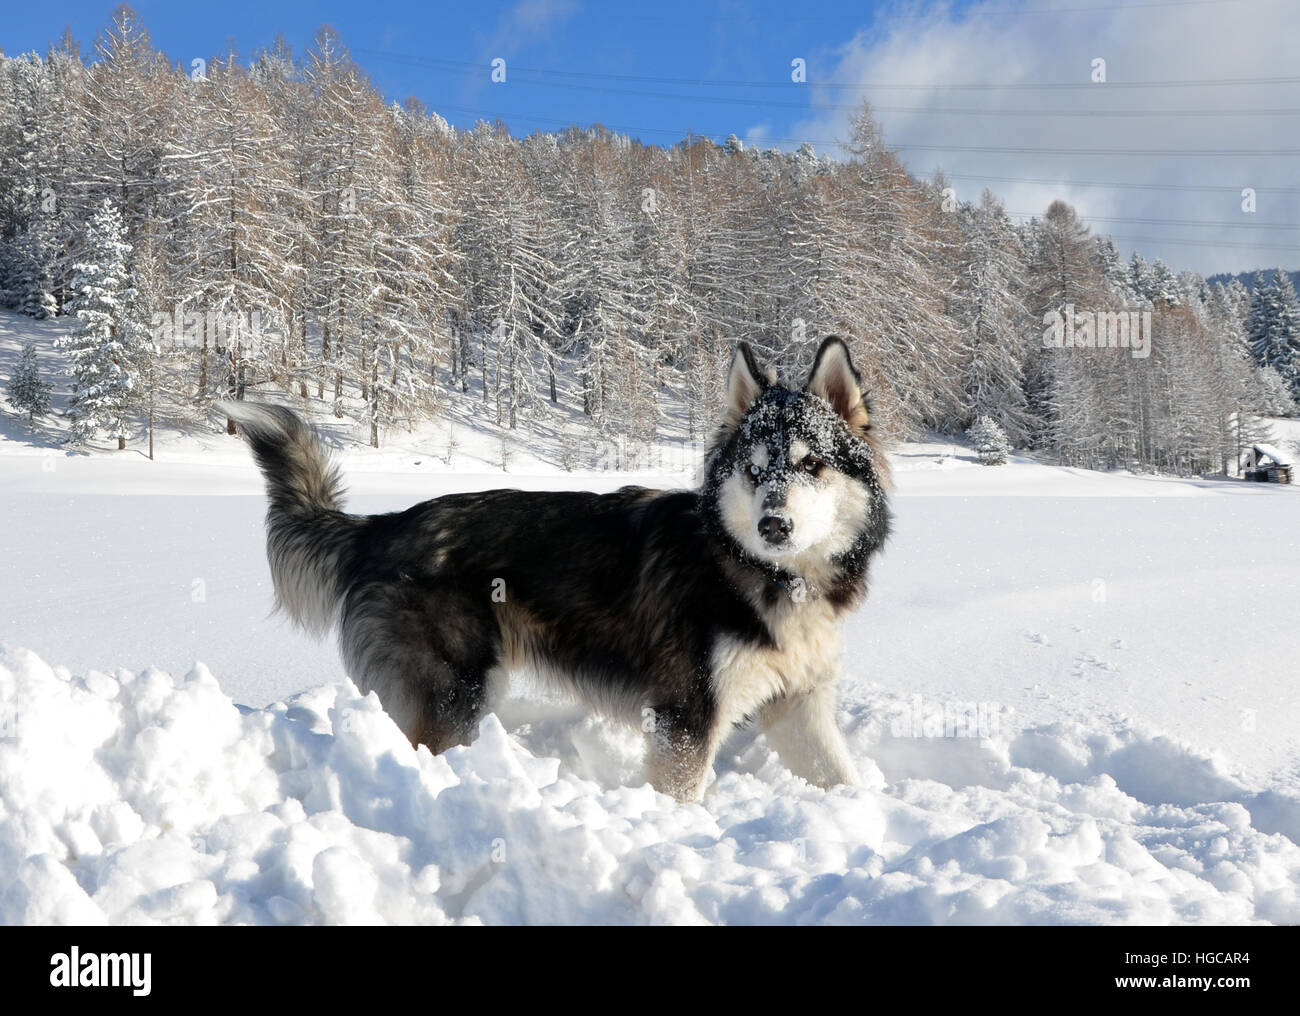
x=140 y=798
x=1133 y=758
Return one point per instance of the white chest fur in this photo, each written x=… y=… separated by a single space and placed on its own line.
x=745 y=677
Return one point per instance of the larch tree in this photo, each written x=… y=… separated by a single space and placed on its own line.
x=229 y=177
x=996 y=324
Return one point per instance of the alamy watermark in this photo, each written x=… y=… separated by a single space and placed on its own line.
x=75 y=969
x=1100 y=329
x=916 y=717
x=213 y=328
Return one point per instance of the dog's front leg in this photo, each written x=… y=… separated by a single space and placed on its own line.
x=803 y=730
x=680 y=755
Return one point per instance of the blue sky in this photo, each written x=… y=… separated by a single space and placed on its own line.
x=441 y=52
x=1160 y=166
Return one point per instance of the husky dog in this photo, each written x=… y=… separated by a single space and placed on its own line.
x=686 y=611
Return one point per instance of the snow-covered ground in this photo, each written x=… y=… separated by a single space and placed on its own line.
x=1072 y=695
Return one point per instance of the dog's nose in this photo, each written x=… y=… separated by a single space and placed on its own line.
x=775 y=529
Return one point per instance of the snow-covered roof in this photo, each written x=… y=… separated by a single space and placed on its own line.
x=1281 y=458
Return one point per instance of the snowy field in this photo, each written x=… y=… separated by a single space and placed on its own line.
x=1072 y=696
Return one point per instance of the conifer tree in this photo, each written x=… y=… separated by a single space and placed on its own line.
x=26 y=389
x=31 y=280
x=1273 y=327
x=104 y=348
x=989 y=441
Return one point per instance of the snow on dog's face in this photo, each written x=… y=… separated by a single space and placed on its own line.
x=795 y=474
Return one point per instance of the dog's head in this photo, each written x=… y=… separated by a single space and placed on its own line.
x=796 y=476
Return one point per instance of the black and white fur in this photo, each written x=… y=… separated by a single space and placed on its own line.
x=687 y=611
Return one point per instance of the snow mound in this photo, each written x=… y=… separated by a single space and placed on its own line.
x=139 y=798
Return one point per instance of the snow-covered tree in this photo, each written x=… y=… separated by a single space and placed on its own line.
x=233 y=191
x=507 y=236
x=104 y=350
x=396 y=263
x=28 y=392
x=1113 y=271
x=598 y=269
x=1141 y=278
x=1239 y=387
x=989 y=441
x=1275 y=395
x=1163 y=285
x=32 y=100
x=1063 y=264
x=122 y=103
x=1273 y=327
x=31 y=278
x=1062 y=271
x=990 y=305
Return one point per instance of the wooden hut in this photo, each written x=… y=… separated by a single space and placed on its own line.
x=1266 y=464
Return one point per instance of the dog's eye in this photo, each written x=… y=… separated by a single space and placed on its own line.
x=811 y=465
x=755 y=470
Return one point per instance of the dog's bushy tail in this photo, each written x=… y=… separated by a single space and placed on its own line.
x=308 y=536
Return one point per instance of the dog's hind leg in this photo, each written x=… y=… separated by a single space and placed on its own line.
x=428 y=658
x=448 y=718
x=803 y=730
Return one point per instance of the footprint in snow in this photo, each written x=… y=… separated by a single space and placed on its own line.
x=1086 y=661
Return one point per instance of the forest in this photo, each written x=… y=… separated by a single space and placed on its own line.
x=242 y=226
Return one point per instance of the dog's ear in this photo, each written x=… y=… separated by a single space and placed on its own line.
x=745 y=383
x=835 y=379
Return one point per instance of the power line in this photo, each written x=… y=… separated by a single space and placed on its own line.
x=768 y=103
x=976 y=111
x=1081 y=183
x=1225 y=244
x=1180 y=241
x=1009 y=12
x=1292 y=226
x=1289 y=226
x=822 y=235
x=851 y=232
x=936 y=15
x=986 y=149
x=1047 y=181
x=1165 y=152
x=484 y=68
x=1204 y=188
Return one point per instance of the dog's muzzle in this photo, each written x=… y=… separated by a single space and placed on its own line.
x=775 y=529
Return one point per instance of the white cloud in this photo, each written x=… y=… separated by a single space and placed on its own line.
x=1250 y=39
x=525 y=22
